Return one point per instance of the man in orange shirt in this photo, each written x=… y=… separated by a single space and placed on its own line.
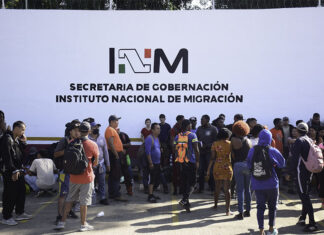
x=116 y=153
x=81 y=185
x=278 y=134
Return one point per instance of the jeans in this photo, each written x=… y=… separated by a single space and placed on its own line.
x=203 y=166
x=269 y=196
x=31 y=181
x=114 y=176
x=188 y=178
x=243 y=180
x=100 y=173
x=13 y=196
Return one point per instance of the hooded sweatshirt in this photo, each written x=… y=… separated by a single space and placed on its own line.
x=265 y=138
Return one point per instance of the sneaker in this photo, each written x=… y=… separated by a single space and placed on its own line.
x=72 y=215
x=186 y=206
x=239 y=216
x=151 y=199
x=310 y=228
x=182 y=202
x=275 y=232
x=86 y=227
x=104 y=202
x=301 y=222
x=60 y=225
x=246 y=214
x=23 y=216
x=229 y=213
x=10 y=222
x=58 y=219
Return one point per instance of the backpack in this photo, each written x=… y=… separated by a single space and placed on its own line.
x=261 y=163
x=314 y=161
x=75 y=161
x=182 y=148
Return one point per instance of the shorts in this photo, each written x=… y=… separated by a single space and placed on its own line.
x=80 y=192
x=64 y=181
x=155 y=173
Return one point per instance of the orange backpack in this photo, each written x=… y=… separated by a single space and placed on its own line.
x=182 y=147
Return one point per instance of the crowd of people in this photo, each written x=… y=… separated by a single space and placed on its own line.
x=239 y=158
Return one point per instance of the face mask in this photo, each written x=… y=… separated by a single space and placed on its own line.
x=95 y=132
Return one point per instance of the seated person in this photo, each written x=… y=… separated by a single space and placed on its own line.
x=42 y=173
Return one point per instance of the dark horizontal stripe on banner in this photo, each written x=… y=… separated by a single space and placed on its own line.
x=58 y=138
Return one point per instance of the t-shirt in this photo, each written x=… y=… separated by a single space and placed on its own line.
x=207 y=135
x=192 y=138
x=153 y=150
x=61 y=144
x=44 y=169
x=91 y=150
x=278 y=138
x=164 y=136
x=111 y=132
x=145 y=132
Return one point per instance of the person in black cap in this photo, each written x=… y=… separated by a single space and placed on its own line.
x=72 y=132
x=304 y=177
x=206 y=134
x=116 y=153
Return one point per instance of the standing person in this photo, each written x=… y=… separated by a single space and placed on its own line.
x=237 y=117
x=315 y=122
x=164 y=138
x=116 y=152
x=218 y=123
x=261 y=160
x=277 y=134
x=175 y=166
x=304 y=177
x=187 y=155
x=286 y=130
x=103 y=166
x=72 y=133
x=3 y=125
x=81 y=185
x=251 y=122
x=222 y=172
x=146 y=131
x=240 y=146
x=126 y=168
x=193 y=121
x=291 y=142
x=153 y=155
x=14 y=192
x=206 y=134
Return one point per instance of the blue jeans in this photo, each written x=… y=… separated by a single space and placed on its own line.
x=243 y=180
x=269 y=196
x=100 y=173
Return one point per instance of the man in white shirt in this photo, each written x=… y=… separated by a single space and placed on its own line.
x=41 y=175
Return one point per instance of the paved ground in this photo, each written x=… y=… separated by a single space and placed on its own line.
x=139 y=217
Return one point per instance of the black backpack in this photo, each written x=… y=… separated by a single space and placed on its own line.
x=75 y=161
x=261 y=163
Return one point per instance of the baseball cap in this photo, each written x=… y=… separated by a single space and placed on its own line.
x=193 y=119
x=302 y=127
x=93 y=124
x=89 y=119
x=113 y=118
x=85 y=127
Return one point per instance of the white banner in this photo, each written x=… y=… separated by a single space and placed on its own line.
x=56 y=66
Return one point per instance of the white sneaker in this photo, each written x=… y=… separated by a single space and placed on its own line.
x=10 y=222
x=60 y=225
x=86 y=227
x=23 y=216
x=275 y=232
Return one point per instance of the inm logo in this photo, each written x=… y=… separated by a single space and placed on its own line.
x=133 y=58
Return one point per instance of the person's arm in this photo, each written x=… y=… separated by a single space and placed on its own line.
x=95 y=154
x=249 y=158
x=59 y=150
x=106 y=156
x=148 y=148
x=7 y=156
x=277 y=158
x=32 y=170
x=296 y=150
x=112 y=147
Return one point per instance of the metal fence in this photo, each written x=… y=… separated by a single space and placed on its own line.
x=157 y=4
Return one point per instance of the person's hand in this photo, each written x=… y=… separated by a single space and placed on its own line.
x=151 y=165
x=15 y=176
x=107 y=169
x=23 y=138
x=287 y=177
